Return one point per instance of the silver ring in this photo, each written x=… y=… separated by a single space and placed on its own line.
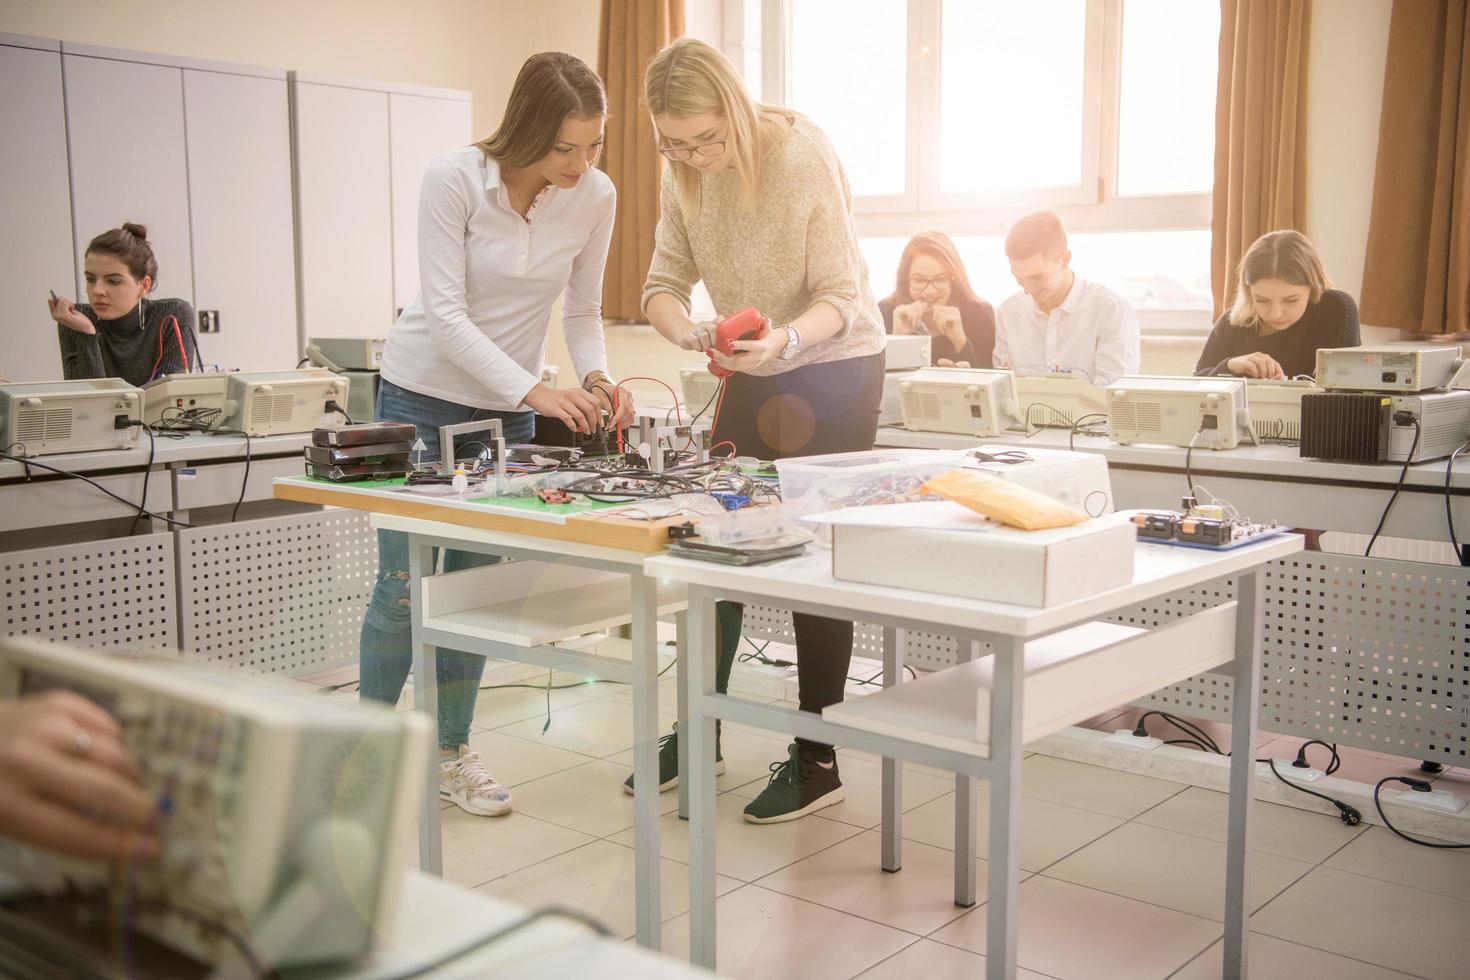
x=81 y=742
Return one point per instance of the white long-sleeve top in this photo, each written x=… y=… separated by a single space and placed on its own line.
x=1094 y=331
x=476 y=332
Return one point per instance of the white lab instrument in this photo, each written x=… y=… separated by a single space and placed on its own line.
x=49 y=417
x=967 y=401
x=1276 y=407
x=907 y=352
x=1203 y=413
x=1392 y=367
x=283 y=813
x=178 y=395
x=272 y=403
x=1057 y=400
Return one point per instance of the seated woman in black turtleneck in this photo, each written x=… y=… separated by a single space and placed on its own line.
x=933 y=296
x=120 y=333
x=1284 y=312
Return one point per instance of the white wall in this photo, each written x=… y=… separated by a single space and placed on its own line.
x=1349 y=50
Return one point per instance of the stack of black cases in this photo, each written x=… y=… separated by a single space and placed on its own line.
x=366 y=451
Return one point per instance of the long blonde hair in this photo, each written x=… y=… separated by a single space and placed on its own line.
x=691 y=78
x=1286 y=255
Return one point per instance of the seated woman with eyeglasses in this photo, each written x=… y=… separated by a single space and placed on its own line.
x=933 y=296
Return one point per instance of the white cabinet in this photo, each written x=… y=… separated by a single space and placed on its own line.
x=125 y=129
x=35 y=207
x=239 y=139
x=361 y=151
x=344 y=216
x=421 y=128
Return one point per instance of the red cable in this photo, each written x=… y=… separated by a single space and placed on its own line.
x=178 y=336
x=678 y=416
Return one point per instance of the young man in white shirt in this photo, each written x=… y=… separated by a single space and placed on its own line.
x=1060 y=322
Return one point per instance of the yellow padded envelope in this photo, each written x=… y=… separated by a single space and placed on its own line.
x=1003 y=501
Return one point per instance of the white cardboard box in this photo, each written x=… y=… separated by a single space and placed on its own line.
x=942 y=547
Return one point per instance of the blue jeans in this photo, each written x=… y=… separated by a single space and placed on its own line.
x=386 y=650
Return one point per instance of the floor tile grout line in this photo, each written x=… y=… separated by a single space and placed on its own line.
x=1142 y=901
x=1333 y=952
x=873 y=966
x=1185 y=965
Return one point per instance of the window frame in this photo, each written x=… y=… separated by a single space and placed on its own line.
x=1092 y=205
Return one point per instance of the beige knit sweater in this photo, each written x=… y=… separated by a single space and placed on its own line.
x=797 y=246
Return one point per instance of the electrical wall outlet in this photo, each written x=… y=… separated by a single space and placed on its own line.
x=1440 y=800
x=1126 y=738
x=209 y=321
x=1291 y=772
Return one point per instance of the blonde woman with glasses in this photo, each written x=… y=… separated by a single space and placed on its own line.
x=755 y=203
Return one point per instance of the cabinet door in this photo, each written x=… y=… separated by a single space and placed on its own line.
x=239 y=138
x=35 y=212
x=422 y=128
x=345 y=230
x=125 y=128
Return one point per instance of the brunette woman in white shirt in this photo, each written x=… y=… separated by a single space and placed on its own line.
x=505 y=227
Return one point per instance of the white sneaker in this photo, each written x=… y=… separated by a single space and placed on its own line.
x=466 y=783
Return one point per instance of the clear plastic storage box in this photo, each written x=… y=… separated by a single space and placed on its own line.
x=813 y=484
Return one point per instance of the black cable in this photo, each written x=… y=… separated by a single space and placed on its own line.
x=711 y=401
x=25 y=461
x=301 y=363
x=1414 y=784
x=1072 y=435
x=333 y=406
x=245 y=480
x=1460 y=555
x=1188 y=472
x=495 y=935
x=1333 y=764
x=1368 y=551
x=1348 y=814
x=147 y=476
x=1189 y=728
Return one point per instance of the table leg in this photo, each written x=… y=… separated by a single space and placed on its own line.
x=966 y=802
x=426 y=699
x=1250 y=598
x=681 y=661
x=1003 y=880
x=700 y=682
x=892 y=768
x=645 y=759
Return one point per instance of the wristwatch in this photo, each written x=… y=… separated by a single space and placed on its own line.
x=793 y=343
x=594 y=378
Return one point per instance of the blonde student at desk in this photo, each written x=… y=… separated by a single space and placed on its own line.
x=1285 y=310
x=1060 y=322
x=505 y=227
x=756 y=204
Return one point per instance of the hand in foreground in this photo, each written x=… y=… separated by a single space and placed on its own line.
x=750 y=354
x=602 y=390
x=66 y=783
x=581 y=411
x=65 y=312
x=1257 y=365
x=906 y=318
x=700 y=336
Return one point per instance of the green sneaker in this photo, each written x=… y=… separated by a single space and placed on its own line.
x=798 y=786
x=668 y=761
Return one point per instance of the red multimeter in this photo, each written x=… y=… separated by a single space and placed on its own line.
x=748 y=324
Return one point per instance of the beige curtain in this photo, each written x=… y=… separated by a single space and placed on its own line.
x=1260 y=130
x=1417 y=272
x=632 y=32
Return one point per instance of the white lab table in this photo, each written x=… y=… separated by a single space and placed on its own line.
x=1269 y=482
x=992 y=748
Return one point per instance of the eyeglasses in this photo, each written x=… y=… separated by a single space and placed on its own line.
x=918 y=284
x=680 y=154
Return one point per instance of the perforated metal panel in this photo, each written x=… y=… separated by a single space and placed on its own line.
x=115 y=594
x=283 y=595
x=1366 y=652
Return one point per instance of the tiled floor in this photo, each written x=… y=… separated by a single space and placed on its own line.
x=1122 y=874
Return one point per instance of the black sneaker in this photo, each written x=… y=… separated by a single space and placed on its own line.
x=798 y=786
x=668 y=761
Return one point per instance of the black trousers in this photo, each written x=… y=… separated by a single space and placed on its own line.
x=815 y=410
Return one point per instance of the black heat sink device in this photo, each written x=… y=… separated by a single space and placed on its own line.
x=1343 y=425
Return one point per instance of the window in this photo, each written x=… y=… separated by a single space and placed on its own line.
x=963 y=114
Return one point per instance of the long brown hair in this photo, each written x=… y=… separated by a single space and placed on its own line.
x=1286 y=255
x=550 y=87
x=936 y=245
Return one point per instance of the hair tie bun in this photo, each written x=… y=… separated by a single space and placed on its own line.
x=136 y=230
